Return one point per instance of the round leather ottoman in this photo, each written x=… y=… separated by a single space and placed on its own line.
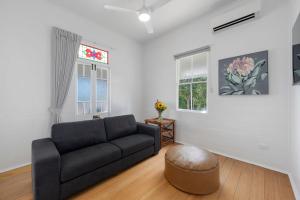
x=192 y=170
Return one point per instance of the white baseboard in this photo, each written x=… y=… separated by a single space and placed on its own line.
x=294 y=187
x=14 y=167
x=241 y=159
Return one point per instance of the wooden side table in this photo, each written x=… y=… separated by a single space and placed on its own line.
x=167 y=129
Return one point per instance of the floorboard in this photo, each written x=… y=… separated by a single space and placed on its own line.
x=145 y=181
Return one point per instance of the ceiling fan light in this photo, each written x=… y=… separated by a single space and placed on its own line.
x=144 y=17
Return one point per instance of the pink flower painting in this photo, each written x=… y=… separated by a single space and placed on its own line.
x=244 y=75
x=243 y=66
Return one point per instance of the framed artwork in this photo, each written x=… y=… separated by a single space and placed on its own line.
x=244 y=75
x=296 y=64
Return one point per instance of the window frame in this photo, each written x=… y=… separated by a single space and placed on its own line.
x=93 y=96
x=177 y=60
x=101 y=67
x=76 y=89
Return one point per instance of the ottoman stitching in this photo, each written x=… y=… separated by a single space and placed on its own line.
x=193 y=170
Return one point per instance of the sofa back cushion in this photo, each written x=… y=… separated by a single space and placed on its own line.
x=120 y=126
x=75 y=135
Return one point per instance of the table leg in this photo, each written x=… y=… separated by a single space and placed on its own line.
x=173 y=132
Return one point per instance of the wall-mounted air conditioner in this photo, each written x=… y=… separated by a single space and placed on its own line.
x=237 y=15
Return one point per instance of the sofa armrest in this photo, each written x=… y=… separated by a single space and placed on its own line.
x=45 y=170
x=152 y=131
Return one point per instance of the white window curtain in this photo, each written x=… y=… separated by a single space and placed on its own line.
x=65 y=47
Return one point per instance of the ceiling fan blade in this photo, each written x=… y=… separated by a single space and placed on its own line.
x=159 y=4
x=115 y=8
x=149 y=27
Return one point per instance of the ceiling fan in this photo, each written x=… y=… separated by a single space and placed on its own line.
x=144 y=13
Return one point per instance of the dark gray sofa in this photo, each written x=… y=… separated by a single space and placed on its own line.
x=80 y=154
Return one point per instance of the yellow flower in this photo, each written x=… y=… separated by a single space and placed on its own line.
x=160 y=106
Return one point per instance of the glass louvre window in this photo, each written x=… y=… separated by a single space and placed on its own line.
x=192 y=73
x=102 y=90
x=93 y=54
x=84 y=89
x=92 y=88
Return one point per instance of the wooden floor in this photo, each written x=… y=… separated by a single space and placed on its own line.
x=146 y=181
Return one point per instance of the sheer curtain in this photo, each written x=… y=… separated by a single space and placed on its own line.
x=65 y=47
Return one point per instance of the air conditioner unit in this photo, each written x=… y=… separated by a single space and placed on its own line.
x=236 y=15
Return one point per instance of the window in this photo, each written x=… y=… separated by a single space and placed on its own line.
x=102 y=90
x=92 y=86
x=192 y=70
x=84 y=87
x=93 y=54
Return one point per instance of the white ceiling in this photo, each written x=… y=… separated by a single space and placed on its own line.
x=171 y=15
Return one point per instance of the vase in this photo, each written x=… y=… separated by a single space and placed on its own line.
x=160 y=118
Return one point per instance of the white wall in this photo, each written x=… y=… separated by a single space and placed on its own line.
x=25 y=73
x=234 y=125
x=295 y=107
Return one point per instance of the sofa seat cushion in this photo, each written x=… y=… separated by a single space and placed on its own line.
x=133 y=143
x=79 y=162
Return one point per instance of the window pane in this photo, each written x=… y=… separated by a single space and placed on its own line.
x=98 y=73
x=185 y=70
x=104 y=74
x=87 y=70
x=80 y=108
x=92 y=53
x=84 y=89
x=200 y=65
x=101 y=106
x=83 y=108
x=184 y=98
x=80 y=70
x=102 y=88
x=200 y=79
x=188 y=80
x=199 y=96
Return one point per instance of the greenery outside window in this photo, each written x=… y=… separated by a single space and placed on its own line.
x=192 y=72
